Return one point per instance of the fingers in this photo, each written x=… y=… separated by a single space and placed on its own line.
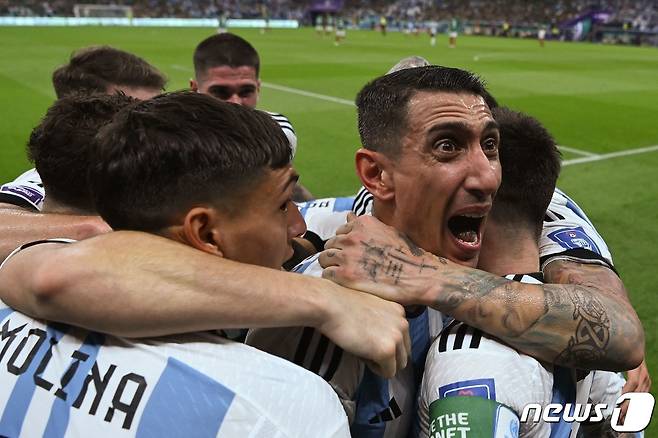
x=351 y=216
x=331 y=257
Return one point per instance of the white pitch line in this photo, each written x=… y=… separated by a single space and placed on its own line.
x=587 y=156
x=610 y=155
x=181 y=68
x=307 y=93
x=578 y=151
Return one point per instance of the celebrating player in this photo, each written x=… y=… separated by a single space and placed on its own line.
x=195 y=159
x=472 y=374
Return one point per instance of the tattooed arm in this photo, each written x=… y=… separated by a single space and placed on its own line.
x=589 y=324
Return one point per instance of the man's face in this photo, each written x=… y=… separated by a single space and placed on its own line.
x=447 y=174
x=236 y=85
x=261 y=233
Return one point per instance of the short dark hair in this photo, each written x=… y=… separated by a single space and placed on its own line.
x=224 y=49
x=95 y=69
x=162 y=156
x=383 y=103
x=530 y=162
x=60 y=146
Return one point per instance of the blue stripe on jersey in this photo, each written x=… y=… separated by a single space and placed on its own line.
x=60 y=412
x=21 y=396
x=343 y=204
x=185 y=402
x=573 y=207
x=372 y=398
x=564 y=391
x=419 y=331
x=5 y=312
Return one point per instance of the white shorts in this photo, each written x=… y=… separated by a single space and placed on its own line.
x=340 y=33
x=541 y=34
x=453 y=34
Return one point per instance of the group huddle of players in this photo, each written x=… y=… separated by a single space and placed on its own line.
x=124 y=312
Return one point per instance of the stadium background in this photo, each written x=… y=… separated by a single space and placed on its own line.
x=600 y=102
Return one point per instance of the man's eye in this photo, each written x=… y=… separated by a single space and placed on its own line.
x=246 y=92
x=220 y=93
x=490 y=145
x=446 y=146
x=284 y=206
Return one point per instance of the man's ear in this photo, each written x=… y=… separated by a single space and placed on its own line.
x=201 y=230
x=194 y=86
x=374 y=169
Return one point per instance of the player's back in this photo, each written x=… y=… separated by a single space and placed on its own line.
x=482 y=384
x=57 y=380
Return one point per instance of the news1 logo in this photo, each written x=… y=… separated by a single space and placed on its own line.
x=638 y=415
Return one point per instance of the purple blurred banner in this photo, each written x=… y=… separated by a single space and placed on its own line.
x=326 y=6
x=595 y=17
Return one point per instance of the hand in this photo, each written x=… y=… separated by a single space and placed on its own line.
x=370 y=256
x=368 y=327
x=638 y=380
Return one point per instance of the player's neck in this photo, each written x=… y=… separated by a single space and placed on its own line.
x=506 y=251
x=53 y=206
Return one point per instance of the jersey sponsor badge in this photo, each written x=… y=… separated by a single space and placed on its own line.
x=485 y=388
x=574 y=238
x=24 y=192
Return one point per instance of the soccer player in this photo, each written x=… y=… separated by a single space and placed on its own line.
x=227 y=67
x=189 y=168
x=541 y=35
x=340 y=30
x=469 y=374
x=453 y=30
x=398 y=156
x=91 y=70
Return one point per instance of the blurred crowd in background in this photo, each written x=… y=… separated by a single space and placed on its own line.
x=518 y=18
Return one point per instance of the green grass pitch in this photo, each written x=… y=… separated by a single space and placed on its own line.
x=597 y=99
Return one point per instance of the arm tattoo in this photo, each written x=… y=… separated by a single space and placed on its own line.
x=592 y=336
x=378 y=260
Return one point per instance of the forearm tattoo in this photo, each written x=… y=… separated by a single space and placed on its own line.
x=392 y=263
x=568 y=324
x=592 y=336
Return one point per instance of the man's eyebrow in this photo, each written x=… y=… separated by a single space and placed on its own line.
x=291 y=181
x=461 y=126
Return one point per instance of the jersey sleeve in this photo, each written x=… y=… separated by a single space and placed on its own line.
x=25 y=191
x=287 y=129
x=30 y=244
x=464 y=362
x=568 y=234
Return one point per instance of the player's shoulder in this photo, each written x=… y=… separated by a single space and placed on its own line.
x=281 y=119
x=324 y=216
x=569 y=234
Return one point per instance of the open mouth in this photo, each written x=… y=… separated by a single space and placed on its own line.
x=466 y=228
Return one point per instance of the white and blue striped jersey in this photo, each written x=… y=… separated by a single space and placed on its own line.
x=464 y=361
x=62 y=381
x=324 y=216
x=568 y=234
x=376 y=407
x=287 y=129
x=25 y=191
